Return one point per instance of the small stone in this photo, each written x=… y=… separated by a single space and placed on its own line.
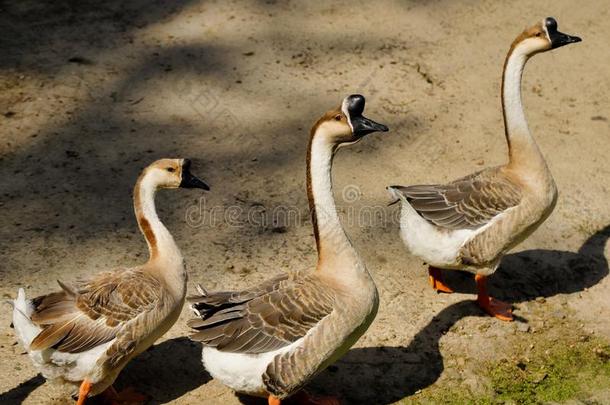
x=539 y=377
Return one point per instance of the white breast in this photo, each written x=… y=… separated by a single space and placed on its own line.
x=239 y=371
x=438 y=247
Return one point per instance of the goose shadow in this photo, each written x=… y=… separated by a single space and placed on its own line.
x=166 y=371
x=536 y=273
x=18 y=394
x=386 y=374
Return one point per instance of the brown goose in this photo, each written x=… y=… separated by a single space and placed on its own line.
x=271 y=339
x=470 y=223
x=84 y=335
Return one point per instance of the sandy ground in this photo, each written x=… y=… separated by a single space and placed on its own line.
x=90 y=94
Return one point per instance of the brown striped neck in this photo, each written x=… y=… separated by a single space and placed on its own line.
x=331 y=240
x=522 y=148
x=161 y=244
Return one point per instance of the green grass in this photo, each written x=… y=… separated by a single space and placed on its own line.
x=560 y=373
x=557 y=372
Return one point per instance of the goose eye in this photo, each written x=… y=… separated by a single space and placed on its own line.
x=170 y=169
x=539 y=34
x=338 y=117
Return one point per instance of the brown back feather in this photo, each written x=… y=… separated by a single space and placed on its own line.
x=275 y=314
x=466 y=203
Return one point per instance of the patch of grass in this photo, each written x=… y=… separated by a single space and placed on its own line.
x=453 y=397
x=555 y=371
x=561 y=372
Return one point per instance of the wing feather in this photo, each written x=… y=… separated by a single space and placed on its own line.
x=77 y=320
x=268 y=317
x=466 y=203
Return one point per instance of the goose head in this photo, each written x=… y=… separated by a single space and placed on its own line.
x=173 y=173
x=542 y=37
x=345 y=124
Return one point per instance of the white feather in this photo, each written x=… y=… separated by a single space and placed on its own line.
x=242 y=372
x=54 y=365
x=437 y=247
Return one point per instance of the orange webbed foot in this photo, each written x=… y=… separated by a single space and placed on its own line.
x=496 y=308
x=436 y=280
x=499 y=309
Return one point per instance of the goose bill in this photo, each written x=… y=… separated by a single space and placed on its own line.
x=560 y=39
x=190 y=181
x=363 y=126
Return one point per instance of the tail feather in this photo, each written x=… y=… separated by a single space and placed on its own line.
x=51 y=335
x=25 y=329
x=396 y=194
x=202 y=290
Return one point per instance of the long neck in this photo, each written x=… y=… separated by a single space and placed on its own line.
x=331 y=240
x=161 y=245
x=522 y=149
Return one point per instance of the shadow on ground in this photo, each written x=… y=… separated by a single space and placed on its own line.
x=536 y=273
x=383 y=375
x=166 y=371
x=18 y=394
x=34 y=27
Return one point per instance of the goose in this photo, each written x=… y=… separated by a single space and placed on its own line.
x=470 y=223
x=270 y=339
x=83 y=335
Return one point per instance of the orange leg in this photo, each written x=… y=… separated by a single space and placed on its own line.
x=83 y=392
x=494 y=307
x=436 y=280
x=274 y=400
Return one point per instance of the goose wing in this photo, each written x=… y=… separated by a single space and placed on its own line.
x=109 y=306
x=265 y=318
x=466 y=203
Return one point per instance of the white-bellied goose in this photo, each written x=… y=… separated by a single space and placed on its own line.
x=85 y=334
x=269 y=340
x=470 y=223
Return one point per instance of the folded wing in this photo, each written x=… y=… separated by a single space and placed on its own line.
x=265 y=318
x=467 y=203
x=75 y=320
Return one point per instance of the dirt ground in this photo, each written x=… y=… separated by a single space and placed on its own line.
x=91 y=92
